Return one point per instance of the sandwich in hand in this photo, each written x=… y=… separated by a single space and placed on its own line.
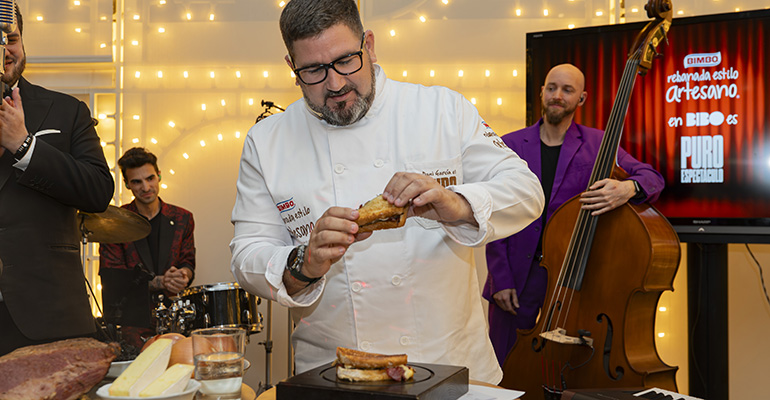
x=378 y=213
x=360 y=366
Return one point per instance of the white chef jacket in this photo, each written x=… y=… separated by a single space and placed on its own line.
x=411 y=290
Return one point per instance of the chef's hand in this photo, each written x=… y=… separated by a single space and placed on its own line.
x=12 y=128
x=507 y=300
x=606 y=195
x=332 y=234
x=175 y=279
x=429 y=199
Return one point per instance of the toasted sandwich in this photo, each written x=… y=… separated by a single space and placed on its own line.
x=378 y=213
x=360 y=366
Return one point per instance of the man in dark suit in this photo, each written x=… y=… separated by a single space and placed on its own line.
x=561 y=153
x=133 y=274
x=51 y=165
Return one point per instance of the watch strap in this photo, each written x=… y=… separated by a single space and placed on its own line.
x=294 y=265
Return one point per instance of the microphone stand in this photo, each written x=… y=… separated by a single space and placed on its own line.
x=268 y=343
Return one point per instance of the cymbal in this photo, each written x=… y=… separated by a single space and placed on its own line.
x=115 y=225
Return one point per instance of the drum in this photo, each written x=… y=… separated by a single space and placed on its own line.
x=223 y=305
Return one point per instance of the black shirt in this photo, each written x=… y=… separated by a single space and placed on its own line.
x=549 y=158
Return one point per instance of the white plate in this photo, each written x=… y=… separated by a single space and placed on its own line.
x=187 y=394
x=117 y=367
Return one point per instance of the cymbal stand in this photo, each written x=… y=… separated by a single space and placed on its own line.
x=268 y=343
x=84 y=232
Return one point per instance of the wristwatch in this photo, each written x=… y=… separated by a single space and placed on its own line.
x=639 y=193
x=294 y=265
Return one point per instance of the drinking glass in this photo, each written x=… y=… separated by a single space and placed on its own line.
x=218 y=355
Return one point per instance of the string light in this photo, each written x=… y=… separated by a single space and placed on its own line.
x=137 y=74
x=265 y=74
x=220 y=137
x=237 y=74
x=460 y=73
x=78 y=30
x=392 y=32
x=237 y=134
x=251 y=102
x=164 y=186
x=422 y=18
x=518 y=12
x=39 y=18
x=135 y=140
x=212 y=74
x=203 y=106
x=571 y=26
x=545 y=12
x=171 y=124
x=487 y=73
x=186 y=156
x=203 y=143
x=211 y=17
x=599 y=13
x=136 y=17
x=634 y=10
x=281 y=4
x=161 y=30
x=76 y=2
x=404 y=74
x=473 y=101
x=160 y=74
x=135 y=42
x=103 y=45
x=432 y=73
x=103 y=143
x=499 y=101
x=154 y=141
x=185 y=74
x=136 y=117
x=172 y=172
x=189 y=16
x=515 y=72
x=223 y=102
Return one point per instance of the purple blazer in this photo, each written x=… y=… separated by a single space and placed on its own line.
x=509 y=260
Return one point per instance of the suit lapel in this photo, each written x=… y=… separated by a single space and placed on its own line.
x=36 y=107
x=143 y=248
x=569 y=148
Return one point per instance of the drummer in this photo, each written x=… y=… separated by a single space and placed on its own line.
x=134 y=274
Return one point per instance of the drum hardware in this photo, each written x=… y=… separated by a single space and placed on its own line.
x=114 y=225
x=222 y=305
x=178 y=317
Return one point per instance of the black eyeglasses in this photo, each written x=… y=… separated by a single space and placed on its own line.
x=345 y=65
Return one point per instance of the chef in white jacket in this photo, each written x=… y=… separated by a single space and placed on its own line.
x=357 y=134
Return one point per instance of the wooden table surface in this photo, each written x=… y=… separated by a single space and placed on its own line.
x=269 y=394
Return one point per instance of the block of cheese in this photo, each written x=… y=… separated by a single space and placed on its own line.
x=147 y=367
x=173 y=381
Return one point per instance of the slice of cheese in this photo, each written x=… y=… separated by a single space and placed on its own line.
x=173 y=381
x=147 y=367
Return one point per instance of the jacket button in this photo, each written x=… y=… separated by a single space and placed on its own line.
x=404 y=340
x=365 y=346
x=356 y=287
x=379 y=163
x=396 y=280
x=339 y=168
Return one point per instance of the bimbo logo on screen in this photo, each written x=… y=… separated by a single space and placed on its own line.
x=702 y=60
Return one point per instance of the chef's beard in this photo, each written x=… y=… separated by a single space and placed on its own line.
x=556 y=117
x=339 y=116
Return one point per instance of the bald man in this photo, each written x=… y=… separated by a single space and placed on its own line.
x=561 y=153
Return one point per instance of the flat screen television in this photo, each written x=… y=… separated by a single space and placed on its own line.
x=700 y=116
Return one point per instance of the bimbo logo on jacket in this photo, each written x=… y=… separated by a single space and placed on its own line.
x=702 y=60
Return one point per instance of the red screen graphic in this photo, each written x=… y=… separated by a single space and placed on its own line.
x=699 y=116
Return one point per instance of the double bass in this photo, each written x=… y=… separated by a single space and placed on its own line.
x=605 y=275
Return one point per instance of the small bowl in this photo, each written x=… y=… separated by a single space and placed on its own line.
x=187 y=394
x=117 y=367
